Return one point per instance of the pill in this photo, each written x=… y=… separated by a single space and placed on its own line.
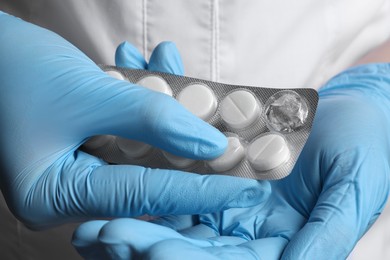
x=132 y=148
x=155 y=83
x=115 y=74
x=177 y=161
x=233 y=155
x=199 y=99
x=98 y=141
x=240 y=109
x=268 y=152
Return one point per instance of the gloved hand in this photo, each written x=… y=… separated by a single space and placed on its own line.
x=53 y=98
x=336 y=191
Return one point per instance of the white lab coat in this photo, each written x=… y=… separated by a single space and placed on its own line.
x=263 y=43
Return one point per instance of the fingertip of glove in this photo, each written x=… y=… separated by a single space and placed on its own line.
x=188 y=136
x=212 y=143
x=166 y=58
x=128 y=56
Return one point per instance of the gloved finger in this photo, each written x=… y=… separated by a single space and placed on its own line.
x=266 y=248
x=91 y=102
x=85 y=240
x=90 y=189
x=127 y=56
x=132 y=112
x=166 y=58
x=131 y=239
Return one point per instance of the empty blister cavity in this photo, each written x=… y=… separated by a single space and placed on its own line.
x=286 y=111
x=99 y=141
x=132 y=148
x=240 y=109
x=155 y=83
x=233 y=155
x=268 y=152
x=115 y=74
x=177 y=161
x=199 y=100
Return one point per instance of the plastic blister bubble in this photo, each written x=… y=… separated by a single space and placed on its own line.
x=286 y=111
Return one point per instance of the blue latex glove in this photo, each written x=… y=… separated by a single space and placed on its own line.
x=336 y=191
x=53 y=98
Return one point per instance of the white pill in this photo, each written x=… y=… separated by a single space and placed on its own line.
x=115 y=74
x=132 y=148
x=155 y=83
x=239 y=109
x=177 y=161
x=233 y=155
x=268 y=152
x=98 y=141
x=199 y=99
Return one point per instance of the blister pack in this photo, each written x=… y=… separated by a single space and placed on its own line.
x=266 y=128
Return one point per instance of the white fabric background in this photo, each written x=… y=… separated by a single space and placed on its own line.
x=262 y=43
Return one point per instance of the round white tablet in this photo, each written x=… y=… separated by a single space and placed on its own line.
x=240 y=109
x=199 y=99
x=233 y=155
x=177 y=161
x=115 y=74
x=268 y=152
x=155 y=83
x=132 y=148
x=98 y=141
